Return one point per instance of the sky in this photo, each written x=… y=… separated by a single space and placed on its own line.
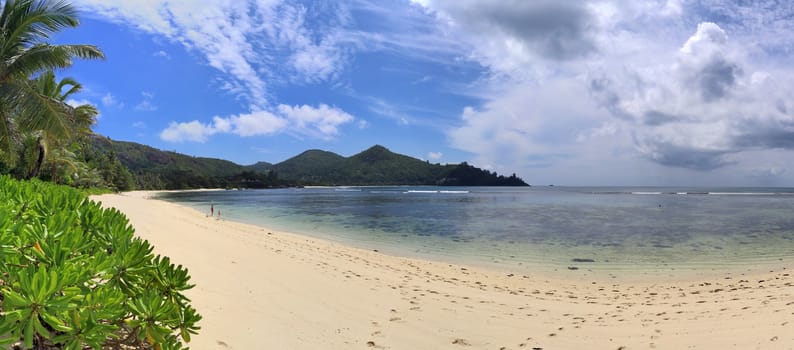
x=591 y=92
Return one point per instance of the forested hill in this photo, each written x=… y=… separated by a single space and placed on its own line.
x=152 y=168
x=155 y=169
x=379 y=166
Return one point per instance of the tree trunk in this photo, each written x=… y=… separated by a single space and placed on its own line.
x=39 y=161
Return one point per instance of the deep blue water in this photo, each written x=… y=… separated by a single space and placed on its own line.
x=611 y=225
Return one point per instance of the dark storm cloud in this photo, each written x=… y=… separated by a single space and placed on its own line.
x=656 y=118
x=602 y=91
x=651 y=103
x=715 y=79
x=664 y=153
x=781 y=106
x=779 y=136
x=687 y=157
x=555 y=29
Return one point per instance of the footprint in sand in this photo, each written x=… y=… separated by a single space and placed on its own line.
x=461 y=341
x=372 y=344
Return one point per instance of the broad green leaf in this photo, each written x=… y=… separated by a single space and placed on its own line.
x=28 y=336
x=40 y=328
x=14 y=299
x=55 y=323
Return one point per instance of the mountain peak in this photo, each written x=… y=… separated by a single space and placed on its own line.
x=377 y=148
x=314 y=151
x=375 y=154
x=314 y=156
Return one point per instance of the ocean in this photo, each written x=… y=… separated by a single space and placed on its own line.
x=586 y=230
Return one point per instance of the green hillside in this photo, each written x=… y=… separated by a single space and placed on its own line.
x=152 y=168
x=312 y=167
x=379 y=166
x=138 y=156
x=156 y=169
x=259 y=167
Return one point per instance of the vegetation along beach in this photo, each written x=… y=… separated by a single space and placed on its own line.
x=406 y=174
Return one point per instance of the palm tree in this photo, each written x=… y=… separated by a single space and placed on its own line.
x=25 y=26
x=75 y=120
x=79 y=119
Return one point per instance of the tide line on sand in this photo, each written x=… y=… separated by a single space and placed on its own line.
x=258 y=288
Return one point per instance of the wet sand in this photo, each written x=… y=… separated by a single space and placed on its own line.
x=260 y=288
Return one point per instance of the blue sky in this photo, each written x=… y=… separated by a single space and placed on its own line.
x=600 y=92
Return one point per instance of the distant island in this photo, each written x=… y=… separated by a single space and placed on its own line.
x=142 y=167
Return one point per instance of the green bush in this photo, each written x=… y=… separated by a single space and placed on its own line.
x=73 y=275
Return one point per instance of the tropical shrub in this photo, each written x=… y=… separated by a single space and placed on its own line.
x=73 y=276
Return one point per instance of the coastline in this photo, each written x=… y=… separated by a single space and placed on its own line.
x=259 y=288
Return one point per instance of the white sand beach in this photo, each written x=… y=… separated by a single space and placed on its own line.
x=262 y=289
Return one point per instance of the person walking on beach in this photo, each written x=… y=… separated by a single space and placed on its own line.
x=212 y=210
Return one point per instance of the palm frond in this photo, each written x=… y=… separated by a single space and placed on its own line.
x=39 y=112
x=86 y=52
x=61 y=163
x=84 y=118
x=75 y=88
x=50 y=57
x=46 y=83
x=35 y=20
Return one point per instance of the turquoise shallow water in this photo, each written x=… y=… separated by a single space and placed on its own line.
x=654 y=230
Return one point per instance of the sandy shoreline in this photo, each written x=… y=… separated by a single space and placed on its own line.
x=259 y=288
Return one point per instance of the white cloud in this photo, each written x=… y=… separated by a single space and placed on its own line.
x=434 y=155
x=707 y=41
x=315 y=55
x=190 y=131
x=139 y=125
x=703 y=105
x=108 y=100
x=162 y=54
x=513 y=36
x=252 y=124
x=528 y=127
x=77 y=103
x=421 y=80
x=363 y=124
x=321 y=122
x=146 y=104
x=248 y=41
x=318 y=122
